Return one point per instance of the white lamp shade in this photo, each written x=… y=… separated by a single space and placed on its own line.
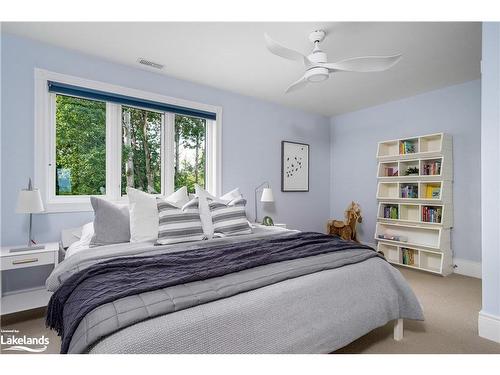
x=29 y=202
x=267 y=195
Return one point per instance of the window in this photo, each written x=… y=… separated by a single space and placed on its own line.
x=141 y=150
x=189 y=156
x=80 y=146
x=98 y=139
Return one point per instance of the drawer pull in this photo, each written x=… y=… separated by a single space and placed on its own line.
x=23 y=261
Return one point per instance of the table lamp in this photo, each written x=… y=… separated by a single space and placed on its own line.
x=29 y=201
x=267 y=195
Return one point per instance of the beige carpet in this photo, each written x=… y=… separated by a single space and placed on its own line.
x=451 y=305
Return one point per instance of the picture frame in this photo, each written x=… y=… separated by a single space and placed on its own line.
x=294 y=166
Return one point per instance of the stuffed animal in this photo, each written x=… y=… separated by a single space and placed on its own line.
x=346 y=229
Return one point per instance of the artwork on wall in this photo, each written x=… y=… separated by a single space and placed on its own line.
x=294 y=166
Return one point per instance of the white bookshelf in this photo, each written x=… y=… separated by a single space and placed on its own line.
x=424 y=259
x=395 y=191
x=398 y=169
x=415 y=202
x=431 y=214
x=426 y=146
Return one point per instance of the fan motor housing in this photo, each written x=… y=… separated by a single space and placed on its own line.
x=316 y=74
x=317 y=57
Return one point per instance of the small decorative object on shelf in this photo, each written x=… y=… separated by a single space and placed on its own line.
x=391 y=237
x=411 y=171
x=346 y=229
x=415 y=207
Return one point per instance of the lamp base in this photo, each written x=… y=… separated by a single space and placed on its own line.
x=27 y=248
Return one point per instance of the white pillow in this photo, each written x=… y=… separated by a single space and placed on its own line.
x=232 y=195
x=179 y=198
x=226 y=198
x=83 y=243
x=204 y=198
x=144 y=212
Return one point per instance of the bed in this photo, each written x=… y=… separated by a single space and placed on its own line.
x=307 y=304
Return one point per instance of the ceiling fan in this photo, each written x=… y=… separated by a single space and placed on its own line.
x=318 y=68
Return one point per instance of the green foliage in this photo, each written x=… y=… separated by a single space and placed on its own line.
x=190 y=136
x=141 y=140
x=80 y=145
x=81 y=148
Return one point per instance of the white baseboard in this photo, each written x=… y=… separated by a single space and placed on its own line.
x=467 y=268
x=489 y=326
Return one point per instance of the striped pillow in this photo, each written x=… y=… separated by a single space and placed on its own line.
x=178 y=224
x=230 y=219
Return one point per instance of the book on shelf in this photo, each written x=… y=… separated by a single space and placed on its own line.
x=392 y=237
x=431 y=214
x=407 y=147
x=409 y=191
x=432 y=168
x=391 y=172
x=408 y=256
x=391 y=212
x=432 y=192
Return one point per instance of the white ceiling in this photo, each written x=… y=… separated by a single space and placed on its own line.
x=232 y=56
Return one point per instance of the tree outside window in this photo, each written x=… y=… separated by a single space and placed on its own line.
x=190 y=152
x=141 y=150
x=80 y=146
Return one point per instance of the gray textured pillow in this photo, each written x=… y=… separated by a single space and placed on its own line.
x=111 y=223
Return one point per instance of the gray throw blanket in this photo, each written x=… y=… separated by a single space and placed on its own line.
x=117 y=278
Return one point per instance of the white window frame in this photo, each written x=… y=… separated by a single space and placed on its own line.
x=44 y=145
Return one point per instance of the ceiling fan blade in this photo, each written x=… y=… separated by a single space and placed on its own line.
x=363 y=64
x=297 y=85
x=284 y=52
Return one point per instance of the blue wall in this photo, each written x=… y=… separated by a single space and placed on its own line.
x=343 y=164
x=490 y=161
x=252 y=132
x=455 y=110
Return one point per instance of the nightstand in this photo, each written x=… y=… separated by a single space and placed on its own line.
x=23 y=277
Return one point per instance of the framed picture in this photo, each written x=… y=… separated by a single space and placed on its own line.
x=294 y=166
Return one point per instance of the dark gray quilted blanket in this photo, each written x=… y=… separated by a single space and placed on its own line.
x=117 y=278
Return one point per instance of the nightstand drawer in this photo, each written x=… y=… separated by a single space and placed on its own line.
x=29 y=260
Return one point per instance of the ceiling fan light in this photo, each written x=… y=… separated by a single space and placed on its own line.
x=318 y=77
x=317 y=74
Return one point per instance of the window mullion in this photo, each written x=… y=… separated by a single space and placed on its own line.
x=213 y=165
x=167 y=149
x=113 y=151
